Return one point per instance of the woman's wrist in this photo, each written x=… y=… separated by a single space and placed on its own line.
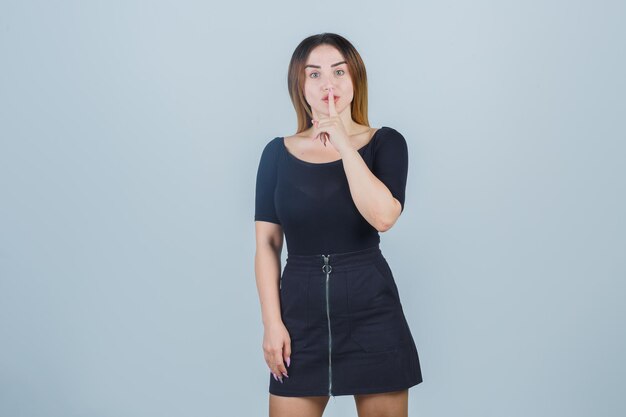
x=272 y=322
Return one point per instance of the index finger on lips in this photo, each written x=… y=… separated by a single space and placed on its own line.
x=332 y=111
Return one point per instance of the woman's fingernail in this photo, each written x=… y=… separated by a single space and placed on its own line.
x=274 y=376
x=281 y=379
x=288 y=362
x=285 y=373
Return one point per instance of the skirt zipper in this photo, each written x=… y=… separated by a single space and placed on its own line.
x=327 y=268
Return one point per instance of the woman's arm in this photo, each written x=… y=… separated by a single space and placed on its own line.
x=269 y=245
x=269 y=242
x=379 y=194
x=370 y=195
x=276 y=340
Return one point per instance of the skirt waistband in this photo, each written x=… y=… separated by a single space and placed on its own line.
x=341 y=259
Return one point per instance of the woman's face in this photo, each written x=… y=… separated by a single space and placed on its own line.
x=325 y=68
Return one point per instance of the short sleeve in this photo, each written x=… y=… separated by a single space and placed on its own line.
x=266 y=176
x=391 y=163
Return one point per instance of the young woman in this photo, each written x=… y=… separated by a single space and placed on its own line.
x=334 y=324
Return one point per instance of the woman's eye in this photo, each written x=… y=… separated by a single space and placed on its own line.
x=314 y=73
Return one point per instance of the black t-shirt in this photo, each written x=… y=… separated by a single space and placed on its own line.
x=312 y=201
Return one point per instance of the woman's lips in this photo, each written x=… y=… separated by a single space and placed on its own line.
x=325 y=99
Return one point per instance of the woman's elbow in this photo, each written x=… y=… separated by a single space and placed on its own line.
x=386 y=222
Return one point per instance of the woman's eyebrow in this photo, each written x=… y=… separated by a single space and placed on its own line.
x=317 y=66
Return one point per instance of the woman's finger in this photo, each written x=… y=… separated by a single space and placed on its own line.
x=317 y=132
x=332 y=111
x=280 y=366
x=274 y=370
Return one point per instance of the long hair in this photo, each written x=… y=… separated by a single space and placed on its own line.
x=296 y=77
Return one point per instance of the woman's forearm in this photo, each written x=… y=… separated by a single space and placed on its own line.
x=267 y=271
x=370 y=195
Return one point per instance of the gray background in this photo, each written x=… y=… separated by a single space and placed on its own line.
x=130 y=134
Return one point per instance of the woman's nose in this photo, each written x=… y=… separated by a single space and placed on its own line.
x=328 y=83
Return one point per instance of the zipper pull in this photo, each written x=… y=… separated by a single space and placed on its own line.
x=326 y=268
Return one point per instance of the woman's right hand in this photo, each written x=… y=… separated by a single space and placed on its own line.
x=277 y=349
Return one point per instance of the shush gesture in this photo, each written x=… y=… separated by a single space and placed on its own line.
x=330 y=128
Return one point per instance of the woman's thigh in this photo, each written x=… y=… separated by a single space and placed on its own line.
x=386 y=404
x=313 y=406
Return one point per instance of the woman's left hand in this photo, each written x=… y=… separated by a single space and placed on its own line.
x=331 y=127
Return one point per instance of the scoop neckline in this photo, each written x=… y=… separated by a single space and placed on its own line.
x=282 y=141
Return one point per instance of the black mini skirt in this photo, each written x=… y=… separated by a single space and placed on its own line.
x=347 y=328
